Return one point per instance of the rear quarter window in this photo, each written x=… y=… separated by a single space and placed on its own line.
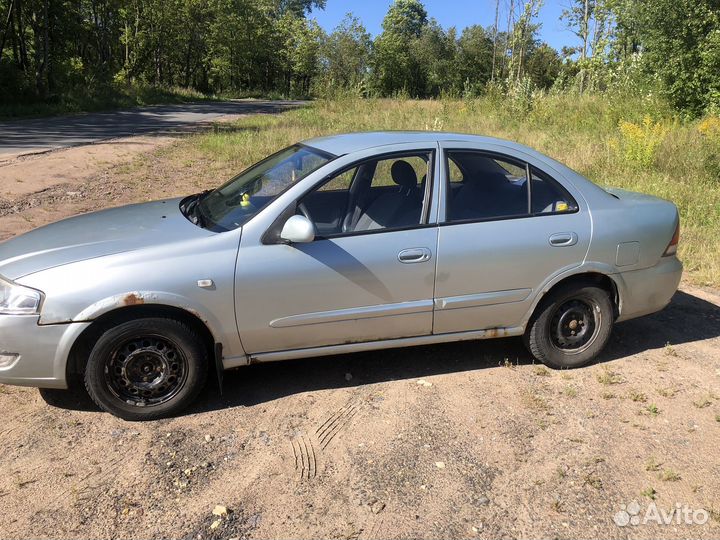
x=548 y=196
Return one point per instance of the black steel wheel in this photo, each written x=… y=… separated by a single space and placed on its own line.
x=574 y=325
x=571 y=326
x=146 y=369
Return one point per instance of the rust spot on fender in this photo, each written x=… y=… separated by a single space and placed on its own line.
x=133 y=299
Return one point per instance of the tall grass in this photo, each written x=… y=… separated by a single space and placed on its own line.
x=636 y=144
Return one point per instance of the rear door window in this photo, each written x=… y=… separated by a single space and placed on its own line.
x=492 y=188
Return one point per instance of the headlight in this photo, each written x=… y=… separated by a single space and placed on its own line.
x=18 y=300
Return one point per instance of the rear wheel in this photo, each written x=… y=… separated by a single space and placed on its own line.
x=146 y=369
x=571 y=326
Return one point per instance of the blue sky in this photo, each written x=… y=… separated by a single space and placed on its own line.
x=456 y=13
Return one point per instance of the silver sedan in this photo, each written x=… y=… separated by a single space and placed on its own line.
x=337 y=244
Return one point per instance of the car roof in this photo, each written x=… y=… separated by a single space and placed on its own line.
x=348 y=143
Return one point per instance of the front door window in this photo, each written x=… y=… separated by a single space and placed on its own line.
x=381 y=194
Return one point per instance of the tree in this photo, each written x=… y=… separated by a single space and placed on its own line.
x=543 y=66
x=395 y=68
x=405 y=18
x=495 y=38
x=626 y=31
x=578 y=18
x=589 y=20
x=299 y=8
x=301 y=53
x=680 y=44
x=476 y=56
x=522 y=38
x=434 y=53
x=346 y=53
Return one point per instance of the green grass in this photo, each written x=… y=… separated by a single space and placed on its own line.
x=608 y=377
x=634 y=395
x=617 y=141
x=650 y=493
x=107 y=98
x=668 y=475
x=702 y=403
x=541 y=371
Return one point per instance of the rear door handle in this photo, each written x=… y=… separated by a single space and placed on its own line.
x=563 y=239
x=414 y=255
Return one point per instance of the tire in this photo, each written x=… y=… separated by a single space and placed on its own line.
x=146 y=369
x=571 y=326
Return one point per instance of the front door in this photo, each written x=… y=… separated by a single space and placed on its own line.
x=368 y=275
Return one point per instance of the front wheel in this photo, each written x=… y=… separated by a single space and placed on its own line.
x=571 y=326
x=146 y=369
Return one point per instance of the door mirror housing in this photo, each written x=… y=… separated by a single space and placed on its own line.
x=298 y=230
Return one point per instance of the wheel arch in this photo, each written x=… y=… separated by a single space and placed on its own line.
x=589 y=276
x=83 y=344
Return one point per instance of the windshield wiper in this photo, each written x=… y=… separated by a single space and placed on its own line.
x=193 y=210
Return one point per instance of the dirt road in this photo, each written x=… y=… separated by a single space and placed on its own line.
x=462 y=440
x=41 y=134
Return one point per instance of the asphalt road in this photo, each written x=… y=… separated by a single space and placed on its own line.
x=41 y=134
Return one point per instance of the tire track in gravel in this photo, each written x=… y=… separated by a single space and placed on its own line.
x=337 y=422
x=305 y=459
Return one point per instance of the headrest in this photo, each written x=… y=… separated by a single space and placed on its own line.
x=403 y=174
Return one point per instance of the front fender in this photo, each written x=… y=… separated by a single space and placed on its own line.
x=167 y=275
x=138 y=298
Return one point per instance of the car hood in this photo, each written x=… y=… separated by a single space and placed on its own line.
x=97 y=234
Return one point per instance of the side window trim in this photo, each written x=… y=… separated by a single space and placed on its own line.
x=427 y=196
x=528 y=183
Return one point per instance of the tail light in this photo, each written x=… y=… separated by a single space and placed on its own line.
x=672 y=246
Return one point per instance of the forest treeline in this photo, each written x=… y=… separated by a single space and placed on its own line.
x=52 y=49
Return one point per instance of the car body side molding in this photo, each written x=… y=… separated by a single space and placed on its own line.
x=365 y=312
x=482 y=299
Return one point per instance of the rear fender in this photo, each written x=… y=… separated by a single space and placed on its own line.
x=585 y=268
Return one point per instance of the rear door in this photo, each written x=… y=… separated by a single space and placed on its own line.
x=499 y=241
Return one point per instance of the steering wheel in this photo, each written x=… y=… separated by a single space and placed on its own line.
x=304 y=211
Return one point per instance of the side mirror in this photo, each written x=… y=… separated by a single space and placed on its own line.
x=298 y=230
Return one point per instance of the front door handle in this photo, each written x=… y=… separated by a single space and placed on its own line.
x=563 y=239
x=414 y=255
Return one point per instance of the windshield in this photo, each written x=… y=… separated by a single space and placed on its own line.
x=234 y=203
